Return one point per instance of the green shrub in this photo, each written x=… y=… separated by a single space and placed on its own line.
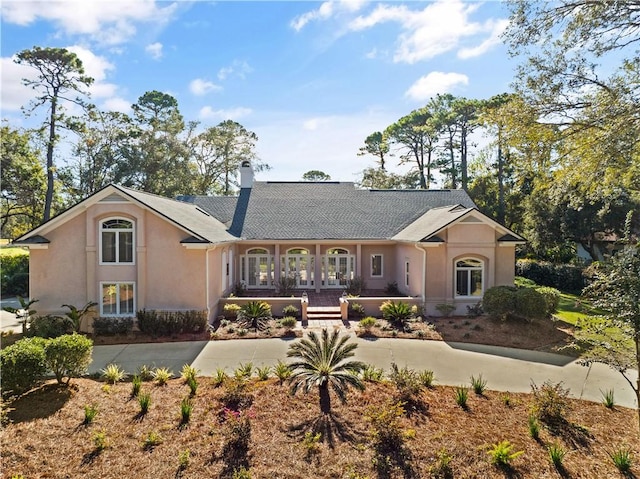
x=311 y=443
x=445 y=309
x=501 y=454
x=551 y=299
x=186 y=408
x=499 y=301
x=290 y=310
x=151 y=440
x=188 y=372
x=355 y=286
x=367 y=323
x=14 y=264
x=255 y=315
x=530 y=304
x=68 y=356
x=22 y=365
x=534 y=427
x=564 y=277
x=426 y=378
x=388 y=439
x=392 y=289
x=50 y=326
x=556 y=455
x=608 y=398
x=100 y=441
x=112 y=326
x=144 y=401
x=550 y=403
x=622 y=459
x=244 y=370
x=288 y=322
x=230 y=311
x=356 y=310
x=263 y=372
x=192 y=382
x=372 y=374
x=136 y=384
x=407 y=382
x=90 y=413
x=112 y=373
x=219 y=377
x=282 y=371
x=161 y=376
x=397 y=313
x=171 y=323
x=461 y=396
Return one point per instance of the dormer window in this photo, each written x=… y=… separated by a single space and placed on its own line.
x=116 y=241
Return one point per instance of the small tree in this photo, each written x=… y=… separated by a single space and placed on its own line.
x=76 y=315
x=615 y=289
x=323 y=362
x=68 y=356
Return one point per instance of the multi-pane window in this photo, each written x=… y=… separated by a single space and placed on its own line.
x=406 y=274
x=376 y=265
x=118 y=299
x=116 y=241
x=469 y=277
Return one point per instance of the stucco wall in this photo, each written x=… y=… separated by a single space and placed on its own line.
x=57 y=275
x=505 y=265
x=389 y=267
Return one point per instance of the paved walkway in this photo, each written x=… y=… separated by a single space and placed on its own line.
x=505 y=369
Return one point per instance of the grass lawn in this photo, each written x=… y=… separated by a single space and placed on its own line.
x=47 y=436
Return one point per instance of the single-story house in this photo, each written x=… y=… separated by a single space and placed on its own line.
x=128 y=250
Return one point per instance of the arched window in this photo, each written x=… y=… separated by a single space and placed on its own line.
x=469 y=277
x=337 y=251
x=297 y=251
x=116 y=241
x=257 y=251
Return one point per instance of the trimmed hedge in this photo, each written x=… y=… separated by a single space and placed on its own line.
x=15 y=274
x=508 y=301
x=68 y=356
x=49 y=326
x=551 y=298
x=169 y=323
x=112 y=326
x=564 y=277
x=23 y=365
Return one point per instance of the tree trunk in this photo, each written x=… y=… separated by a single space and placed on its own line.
x=50 y=145
x=325 y=398
x=463 y=159
x=501 y=205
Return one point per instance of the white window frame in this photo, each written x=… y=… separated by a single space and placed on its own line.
x=373 y=256
x=131 y=230
x=469 y=269
x=118 y=284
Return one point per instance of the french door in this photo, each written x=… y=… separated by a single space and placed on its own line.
x=300 y=267
x=259 y=270
x=338 y=270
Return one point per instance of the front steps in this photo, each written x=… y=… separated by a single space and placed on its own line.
x=323 y=312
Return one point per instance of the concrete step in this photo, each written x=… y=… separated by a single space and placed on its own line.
x=320 y=315
x=323 y=309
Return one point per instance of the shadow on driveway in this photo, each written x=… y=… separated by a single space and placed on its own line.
x=513 y=353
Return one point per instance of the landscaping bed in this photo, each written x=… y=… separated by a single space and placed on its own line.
x=47 y=437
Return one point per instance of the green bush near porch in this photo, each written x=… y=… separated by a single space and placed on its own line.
x=168 y=323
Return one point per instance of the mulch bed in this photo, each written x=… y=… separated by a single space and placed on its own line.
x=48 y=439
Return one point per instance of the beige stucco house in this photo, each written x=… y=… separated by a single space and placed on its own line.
x=129 y=250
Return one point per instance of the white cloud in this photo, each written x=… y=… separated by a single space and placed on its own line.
x=202 y=87
x=14 y=94
x=155 y=50
x=117 y=104
x=108 y=22
x=325 y=11
x=208 y=113
x=314 y=123
x=434 y=83
x=497 y=29
x=238 y=68
x=371 y=54
x=96 y=67
x=437 y=29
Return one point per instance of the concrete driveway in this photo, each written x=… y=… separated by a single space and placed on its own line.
x=505 y=369
x=8 y=320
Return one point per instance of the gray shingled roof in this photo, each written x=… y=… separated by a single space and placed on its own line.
x=190 y=216
x=324 y=210
x=430 y=223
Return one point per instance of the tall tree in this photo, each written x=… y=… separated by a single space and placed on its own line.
x=416 y=135
x=378 y=179
x=316 y=175
x=24 y=183
x=60 y=73
x=615 y=289
x=376 y=144
x=156 y=158
x=218 y=152
x=97 y=152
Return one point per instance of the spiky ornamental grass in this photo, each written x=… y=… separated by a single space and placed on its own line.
x=322 y=362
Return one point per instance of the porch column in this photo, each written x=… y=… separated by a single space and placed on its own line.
x=276 y=264
x=358 y=259
x=317 y=271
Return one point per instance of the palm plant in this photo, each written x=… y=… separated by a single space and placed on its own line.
x=76 y=315
x=254 y=315
x=23 y=312
x=322 y=361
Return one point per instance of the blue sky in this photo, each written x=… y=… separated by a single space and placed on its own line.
x=311 y=79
